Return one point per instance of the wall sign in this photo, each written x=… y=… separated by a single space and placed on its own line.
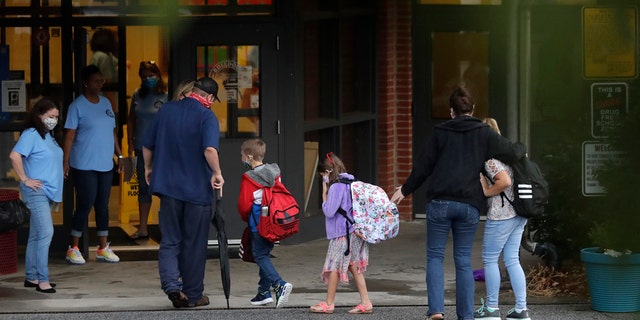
x=609 y=101
x=609 y=42
x=14 y=97
x=595 y=155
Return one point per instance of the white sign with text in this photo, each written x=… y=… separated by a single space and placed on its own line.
x=14 y=96
x=595 y=155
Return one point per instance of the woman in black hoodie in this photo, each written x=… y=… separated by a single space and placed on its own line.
x=449 y=163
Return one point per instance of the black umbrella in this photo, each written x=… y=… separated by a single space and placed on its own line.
x=218 y=221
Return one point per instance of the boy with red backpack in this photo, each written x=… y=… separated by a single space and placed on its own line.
x=250 y=207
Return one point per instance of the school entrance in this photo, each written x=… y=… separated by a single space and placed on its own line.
x=243 y=59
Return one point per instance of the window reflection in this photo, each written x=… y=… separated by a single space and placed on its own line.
x=237 y=71
x=463 y=60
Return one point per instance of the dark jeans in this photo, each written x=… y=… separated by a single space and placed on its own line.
x=261 y=249
x=93 y=189
x=183 y=248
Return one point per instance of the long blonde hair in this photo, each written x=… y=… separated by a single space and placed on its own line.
x=492 y=123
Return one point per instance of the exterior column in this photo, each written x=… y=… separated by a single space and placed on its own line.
x=395 y=85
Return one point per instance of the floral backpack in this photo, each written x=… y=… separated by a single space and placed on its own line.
x=374 y=217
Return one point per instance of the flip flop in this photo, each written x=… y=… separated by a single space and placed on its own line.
x=322 y=307
x=138 y=236
x=361 y=309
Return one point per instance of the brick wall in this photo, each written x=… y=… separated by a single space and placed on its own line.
x=395 y=97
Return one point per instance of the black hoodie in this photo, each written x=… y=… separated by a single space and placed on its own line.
x=453 y=157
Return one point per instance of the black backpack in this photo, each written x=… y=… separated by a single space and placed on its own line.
x=530 y=188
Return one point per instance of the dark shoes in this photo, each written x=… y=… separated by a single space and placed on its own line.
x=49 y=290
x=29 y=284
x=204 y=301
x=180 y=300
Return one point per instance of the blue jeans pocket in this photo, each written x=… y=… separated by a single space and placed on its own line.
x=437 y=210
x=473 y=215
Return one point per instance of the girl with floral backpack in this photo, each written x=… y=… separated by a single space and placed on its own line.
x=335 y=196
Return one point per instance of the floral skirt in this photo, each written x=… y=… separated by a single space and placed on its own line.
x=337 y=261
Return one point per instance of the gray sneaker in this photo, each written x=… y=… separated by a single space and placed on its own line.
x=484 y=313
x=514 y=315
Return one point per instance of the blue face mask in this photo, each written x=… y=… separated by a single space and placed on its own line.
x=246 y=164
x=150 y=82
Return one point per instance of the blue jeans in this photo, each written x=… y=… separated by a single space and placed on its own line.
x=40 y=234
x=504 y=236
x=261 y=249
x=183 y=248
x=462 y=220
x=93 y=189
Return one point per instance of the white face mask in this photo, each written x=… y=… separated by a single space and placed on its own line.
x=50 y=123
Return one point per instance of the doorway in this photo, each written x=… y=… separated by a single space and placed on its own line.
x=243 y=60
x=456 y=46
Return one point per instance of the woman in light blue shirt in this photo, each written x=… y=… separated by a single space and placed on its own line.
x=89 y=146
x=37 y=159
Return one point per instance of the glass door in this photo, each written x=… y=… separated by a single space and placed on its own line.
x=456 y=46
x=243 y=60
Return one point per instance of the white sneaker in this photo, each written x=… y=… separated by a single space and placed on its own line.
x=106 y=255
x=74 y=256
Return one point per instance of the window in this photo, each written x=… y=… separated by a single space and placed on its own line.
x=463 y=59
x=236 y=69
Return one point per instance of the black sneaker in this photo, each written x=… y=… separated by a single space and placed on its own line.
x=282 y=293
x=262 y=298
x=514 y=315
x=484 y=313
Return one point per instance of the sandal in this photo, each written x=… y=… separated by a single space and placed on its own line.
x=322 y=307
x=361 y=309
x=139 y=236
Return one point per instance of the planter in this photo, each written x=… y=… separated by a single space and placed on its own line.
x=614 y=283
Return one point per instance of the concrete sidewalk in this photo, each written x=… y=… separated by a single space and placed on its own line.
x=395 y=277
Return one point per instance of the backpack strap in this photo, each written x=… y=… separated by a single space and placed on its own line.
x=502 y=194
x=348 y=220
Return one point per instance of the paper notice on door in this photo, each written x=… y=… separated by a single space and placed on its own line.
x=14 y=97
x=244 y=77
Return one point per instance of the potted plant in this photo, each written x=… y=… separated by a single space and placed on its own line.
x=613 y=265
